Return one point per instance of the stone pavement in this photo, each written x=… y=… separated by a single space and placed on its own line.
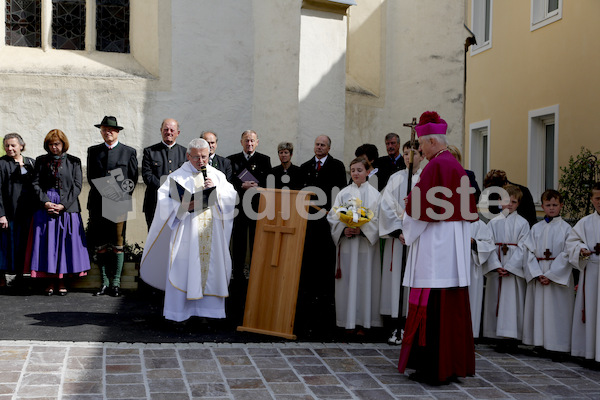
x=88 y=370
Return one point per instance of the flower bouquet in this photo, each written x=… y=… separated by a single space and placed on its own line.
x=352 y=213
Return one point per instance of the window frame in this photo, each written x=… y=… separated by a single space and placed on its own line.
x=477 y=131
x=478 y=17
x=536 y=162
x=540 y=16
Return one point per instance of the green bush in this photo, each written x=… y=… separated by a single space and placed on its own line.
x=575 y=183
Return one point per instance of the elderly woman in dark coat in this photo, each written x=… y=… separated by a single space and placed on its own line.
x=58 y=246
x=16 y=205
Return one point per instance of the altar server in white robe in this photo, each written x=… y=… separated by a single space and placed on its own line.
x=482 y=246
x=583 y=247
x=187 y=249
x=504 y=300
x=358 y=265
x=391 y=209
x=550 y=290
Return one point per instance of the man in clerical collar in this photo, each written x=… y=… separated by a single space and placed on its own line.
x=221 y=163
x=249 y=171
x=160 y=160
x=391 y=163
x=117 y=163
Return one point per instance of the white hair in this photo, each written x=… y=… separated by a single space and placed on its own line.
x=438 y=138
x=197 y=143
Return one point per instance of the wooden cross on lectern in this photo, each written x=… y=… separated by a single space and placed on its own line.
x=278 y=229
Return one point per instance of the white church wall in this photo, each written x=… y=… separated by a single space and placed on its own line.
x=422 y=69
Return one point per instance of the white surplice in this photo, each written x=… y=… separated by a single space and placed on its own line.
x=585 y=339
x=172 y=255
x=484 y=240
x=509 y=305
x=391 y=208
x=548 y=307
x=357 y=291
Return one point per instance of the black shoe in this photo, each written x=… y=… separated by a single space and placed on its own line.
x=115 y=291
x=103 y=290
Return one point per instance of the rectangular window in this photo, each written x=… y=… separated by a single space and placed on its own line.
x=68 y=24
x=481 y=24
x=112 y=25
x=542 y=166
x=479 y=149
x=23 y=23
x=544 y=12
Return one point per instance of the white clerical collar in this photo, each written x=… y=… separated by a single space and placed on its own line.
x=163 y=142
x=373 y=172
x=322 y=159
x=111 y=146
x=248 y=155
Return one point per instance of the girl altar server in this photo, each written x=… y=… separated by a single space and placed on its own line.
x=358 y=269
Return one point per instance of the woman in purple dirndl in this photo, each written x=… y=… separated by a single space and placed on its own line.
x=57 y=240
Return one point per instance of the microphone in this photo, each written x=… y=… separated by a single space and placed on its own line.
x=203 y=170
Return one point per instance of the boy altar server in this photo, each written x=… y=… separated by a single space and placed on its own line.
x=505 y=289
x=391 y=208
x=550 y=295
x=482 y=246
x=583 y=248
x=187 y=250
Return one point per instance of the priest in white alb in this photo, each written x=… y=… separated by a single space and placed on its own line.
x=187 y=249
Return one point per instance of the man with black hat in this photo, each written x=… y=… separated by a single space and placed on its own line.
x=160 y=160
x=111 y=167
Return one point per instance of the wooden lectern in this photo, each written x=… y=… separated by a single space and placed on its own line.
x=276 y=261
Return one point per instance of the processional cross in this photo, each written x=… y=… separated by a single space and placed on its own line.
x=278 y=229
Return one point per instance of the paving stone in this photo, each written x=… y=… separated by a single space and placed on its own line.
x=126 y=391
x=6 y=388
x=512 y=387
x=82 y=397
x=164 y=374
x=321 y=380
x=443 y=395
x=561 y=373
x=47 y=357
x=263 y=352
x=373 y=394
x=343 y=365
x=11 y=365
x=123 y=359
x=391 y=379
x=251 y=395
x=14 y=353
x=160 y=353
x=204 y=390
x=537 y=380
x=199 y=365
x=161 y=363
x=36 y=379
x=37 y=391
x=280 y=375
x=328 y=353
x=557 y=391
x=579 y=384
x=297 y=352
x=71 y=388
x=522 y=370
x=486 y=393
x=379 y=360
x=166 y=385
x=294 y=397
x=34 y=367
x=359 y=381
x=229 y=352
x=84 y=362
x=169 y=396
x=312 y=370
x=245 y=383
x=234 y=360
x=82 y=375
x=330 y=392
x=86 y=351
x=204 y=377
x=364 y=353
x=120 y=352
x=195 y=354
x=270 y=362
x=124 y=379
x=9 y=377
x=239 y=371
x=288 y=388
x=407 y=390
x=496 y=376
x=123 y=369
x=304 y=361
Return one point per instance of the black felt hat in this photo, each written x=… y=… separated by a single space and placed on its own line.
x=109 y=121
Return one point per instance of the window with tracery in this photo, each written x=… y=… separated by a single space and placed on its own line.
x=23 y=23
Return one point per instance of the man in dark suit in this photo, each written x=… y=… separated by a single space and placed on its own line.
x=160 y=160
x=118 y=163
x=249 y=171
x=392 y=163
x=316 y=311
x=221 y=163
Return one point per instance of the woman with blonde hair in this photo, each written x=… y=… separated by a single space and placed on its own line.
x=57 y=240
